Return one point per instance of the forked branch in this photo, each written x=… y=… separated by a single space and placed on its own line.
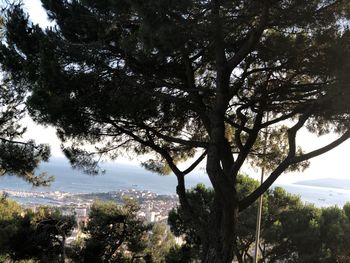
x=290 y=160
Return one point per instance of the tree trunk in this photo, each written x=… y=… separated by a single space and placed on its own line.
x=63 y=249
x=219 y=247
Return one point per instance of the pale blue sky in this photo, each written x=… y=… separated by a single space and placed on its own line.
x=334 y=164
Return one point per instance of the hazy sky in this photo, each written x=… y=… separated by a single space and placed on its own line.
x=335 y=163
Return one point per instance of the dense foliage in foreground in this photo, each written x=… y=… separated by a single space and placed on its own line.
x=113 y=233
x=38 y=235
x=292 y=231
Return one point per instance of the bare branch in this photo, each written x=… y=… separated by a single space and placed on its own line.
x=195 y=163
x=14 y=142
x=289 y=160
x=292 y=132
x=236 y=125
x=278 y=119
x=250 y=199
x=322 y=150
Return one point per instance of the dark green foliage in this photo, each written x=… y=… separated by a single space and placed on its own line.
x=36 y=235
x=181 y=254
x=290 y=232
x=294 y=235
x=160 y=242
x=335 y=227
x=123 y=71
x=114 y=233
x=19 y=158
x=10 y=211
x=173 y=78
x=201 y=200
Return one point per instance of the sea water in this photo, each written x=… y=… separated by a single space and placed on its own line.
x=125 y=176
x=116 y=177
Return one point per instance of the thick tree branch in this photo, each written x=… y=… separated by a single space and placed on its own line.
x=322 y=150
x=289 y=160
x=240 y=128
x=250 y=199
x=248 y=144
x=278 y=119
x=329 y=6
x=220 y=56
x=15 y=142
x=292 y=132
x=195 y=95
x=247 y=201
x=195 y=163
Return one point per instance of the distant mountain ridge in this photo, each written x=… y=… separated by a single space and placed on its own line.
x=327 y=183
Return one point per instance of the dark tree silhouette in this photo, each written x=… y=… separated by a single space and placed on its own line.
x=18 y=157
x=114 y=233
x=27 y=235
x=183 y=79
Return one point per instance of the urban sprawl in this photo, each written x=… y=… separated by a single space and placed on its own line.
x=153 y=207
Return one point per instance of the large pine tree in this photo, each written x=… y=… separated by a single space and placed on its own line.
x=182 y=79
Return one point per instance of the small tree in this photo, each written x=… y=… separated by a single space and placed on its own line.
x=160 y=242
x=176 y=78
x=114 y=233
x=335 y=230
x=28 y=235
x=52 y=229
x=9 y=212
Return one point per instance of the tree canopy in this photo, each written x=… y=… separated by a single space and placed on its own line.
x=114 y=233
x=183 y=79
x=17 y=157
x=33 y=235
x=291 y=231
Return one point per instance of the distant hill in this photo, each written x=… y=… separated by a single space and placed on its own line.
x=327 y=183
